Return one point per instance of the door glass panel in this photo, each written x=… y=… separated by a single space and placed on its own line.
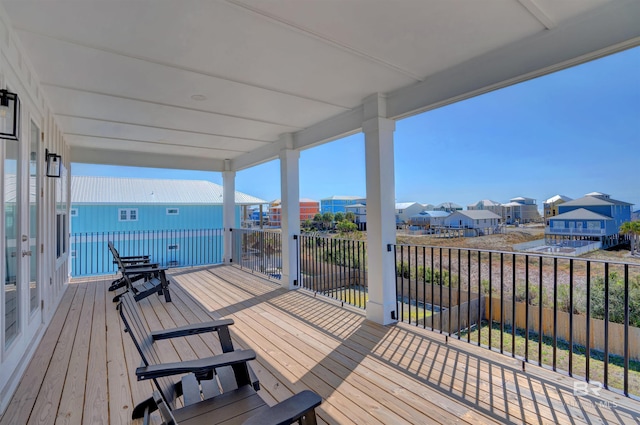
x=11 y=257
x=34 y=297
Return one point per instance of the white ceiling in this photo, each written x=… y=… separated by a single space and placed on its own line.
x=120 y=75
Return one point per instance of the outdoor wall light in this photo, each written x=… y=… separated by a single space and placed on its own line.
x=9 y=115
x=54 y=164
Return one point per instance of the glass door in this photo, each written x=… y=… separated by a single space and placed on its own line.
x=32 y=253
x=11 y=242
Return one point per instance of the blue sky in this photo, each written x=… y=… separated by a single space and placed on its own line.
x=572 y=132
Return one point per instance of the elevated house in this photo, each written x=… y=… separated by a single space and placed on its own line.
x=360 y=212
x=486 y=205
x=448 y=206
x=635 y=215
x=427 y=219
x=483 y=220
x=594 y=217
x=550 y=206
x=404 y=211
x=337 y=203
x=133 y=212
x=520 y=210
x=308 y=209
x=225 y=86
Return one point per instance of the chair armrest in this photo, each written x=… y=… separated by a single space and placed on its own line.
x=194 y=329
x=135 y=257
x=199 y=367
x=287 y=411
x=143 y=268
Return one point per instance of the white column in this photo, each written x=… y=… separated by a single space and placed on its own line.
x=290 y=192
x=228 y=209
x=381 y=222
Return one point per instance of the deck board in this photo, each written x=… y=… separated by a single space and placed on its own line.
x=83 y=370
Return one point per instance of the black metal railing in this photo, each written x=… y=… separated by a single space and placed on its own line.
x=258 y=250
x=334 y=267
x=575 y=315
x=171 y=248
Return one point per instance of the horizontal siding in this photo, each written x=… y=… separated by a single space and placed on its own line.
x=105 y=218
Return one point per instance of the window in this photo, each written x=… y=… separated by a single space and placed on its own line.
x=173 y=247
x=125 y=214
x=73 y=212
x=173 y=211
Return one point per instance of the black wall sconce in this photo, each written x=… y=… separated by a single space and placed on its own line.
x=9 y=115
x=54 y=164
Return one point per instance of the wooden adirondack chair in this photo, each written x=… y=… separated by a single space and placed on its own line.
x=153 y=277
x=213 y=389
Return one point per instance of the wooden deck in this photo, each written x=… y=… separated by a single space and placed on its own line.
x=366 y=373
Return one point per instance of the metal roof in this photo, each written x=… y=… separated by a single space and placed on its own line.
x=342 y=198
x=592 y=200
x=477 y=214
x=405 y=205
x=433 y=214
x=117 y=190
x=557 y=198
x=580 y=214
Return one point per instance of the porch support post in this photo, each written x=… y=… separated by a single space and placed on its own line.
x=381 y=222
x=290 y=218
x=228 y=209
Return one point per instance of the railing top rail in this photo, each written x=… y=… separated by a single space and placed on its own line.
x=529 y=254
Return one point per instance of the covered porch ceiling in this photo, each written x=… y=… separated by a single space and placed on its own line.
x=192 y=83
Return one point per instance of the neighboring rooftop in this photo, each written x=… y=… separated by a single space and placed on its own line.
x=478 y=214
x=342 y=198
x=557 y=198
x=121 y=190
x=589 y=200
x=580 y=214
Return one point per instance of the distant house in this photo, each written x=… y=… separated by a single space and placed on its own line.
x=486 y=205
x=334 y=204
x=550 y=206
x=360 y=212
x=428 y=219
x=404 y=210
x=473 y=219
x=594 y=217
x=520 y=210
x=308 y=209
x=635 y=215
x=448 y=206
x=125 y=209
x=428 y=207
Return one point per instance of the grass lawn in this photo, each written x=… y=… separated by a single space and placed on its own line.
x=596 y=362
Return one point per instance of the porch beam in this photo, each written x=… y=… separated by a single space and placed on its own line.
x=381 y=229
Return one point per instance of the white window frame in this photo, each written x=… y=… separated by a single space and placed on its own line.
x=128 y=214
x=169 y=211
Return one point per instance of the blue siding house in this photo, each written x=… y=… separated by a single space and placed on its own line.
x=177 y=222
x=594 y=217
x=336 y=204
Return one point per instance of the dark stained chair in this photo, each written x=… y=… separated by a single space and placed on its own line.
x=153 y=278
x=215 y=389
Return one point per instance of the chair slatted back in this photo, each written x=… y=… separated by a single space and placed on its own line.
x=138 y=329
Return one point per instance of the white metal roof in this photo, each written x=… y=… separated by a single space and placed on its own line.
x=477 y=214
x=405 y=205
x=557 y=198
x=116 y=190
x=188 y=84
x=342 y=198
